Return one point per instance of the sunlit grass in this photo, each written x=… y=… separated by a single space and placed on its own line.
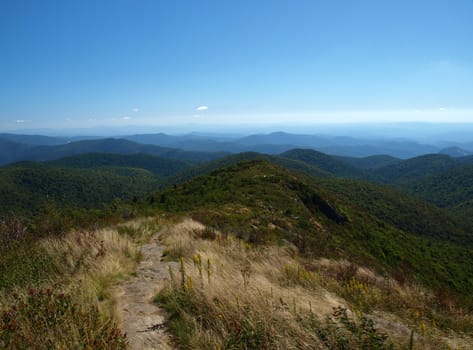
x=229 y=294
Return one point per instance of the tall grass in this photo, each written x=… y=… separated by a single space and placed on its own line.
x=228 y=294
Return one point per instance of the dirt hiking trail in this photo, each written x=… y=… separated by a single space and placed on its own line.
x=141 y=319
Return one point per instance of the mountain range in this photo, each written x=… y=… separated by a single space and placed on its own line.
x=392 y=237
x=38 y=147
x=418 y=176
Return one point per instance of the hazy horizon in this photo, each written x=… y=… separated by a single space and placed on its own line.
x=433 y=133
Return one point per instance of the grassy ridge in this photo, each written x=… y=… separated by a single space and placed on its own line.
x=262 y=202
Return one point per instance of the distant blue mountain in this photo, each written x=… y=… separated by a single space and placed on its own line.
x=272 y=143
x=277 y=142
x=455 y=152
x=14 y=152
x=34 y=139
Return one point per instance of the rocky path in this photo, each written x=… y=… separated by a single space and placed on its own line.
x=142 y=320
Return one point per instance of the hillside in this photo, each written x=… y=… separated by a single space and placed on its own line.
x=261 y=202
x=393 y=205
x=26 y=188
x=187 y=142
x=159 y=166
x=415 y=168
x=288 y=259
x=325 y=162
x=309 y=162
x=451 y=189
x=440 y=179
x=402 y=210
x=208 y=167
x=371 y=162
x=11 y=151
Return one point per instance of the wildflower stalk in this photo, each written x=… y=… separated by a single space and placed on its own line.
x=182 y=270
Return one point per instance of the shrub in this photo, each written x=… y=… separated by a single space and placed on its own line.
x=12 y=231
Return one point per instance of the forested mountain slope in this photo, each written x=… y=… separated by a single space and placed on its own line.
x=452 y=189
x=26 y=188
x=159 y=166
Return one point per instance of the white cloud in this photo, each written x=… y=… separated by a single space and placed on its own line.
x=20 y=121
x=442 y=109
x=126 y=118
x=135 y=110
x=202 y=108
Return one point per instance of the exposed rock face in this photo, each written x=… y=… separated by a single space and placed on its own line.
x=315 y=202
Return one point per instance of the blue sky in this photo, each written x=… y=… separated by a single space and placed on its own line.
x=85 y=63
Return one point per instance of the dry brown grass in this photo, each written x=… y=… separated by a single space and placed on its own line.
x=277 y=292
x=240 y=270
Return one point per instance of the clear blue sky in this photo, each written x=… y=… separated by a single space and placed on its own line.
x=77 y=63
